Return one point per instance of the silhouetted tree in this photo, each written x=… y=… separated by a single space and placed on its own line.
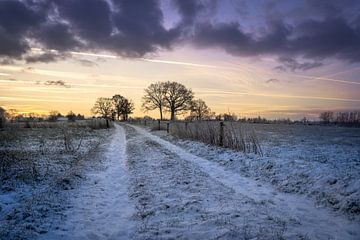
x=118 y=101
x=53 y=116
x=80 y=117
x=177 y=98
x=104 y=107
x=71 y=116
x=199 y=110
x=123 y=106
x=128 y=108
x=154 y=98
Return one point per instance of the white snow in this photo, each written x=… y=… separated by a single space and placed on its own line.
x=101 y=208
x=140 y=186
x=315 y=222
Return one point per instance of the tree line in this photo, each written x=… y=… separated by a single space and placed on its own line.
x=342 y=118
x=171 y=97
x=13 y=115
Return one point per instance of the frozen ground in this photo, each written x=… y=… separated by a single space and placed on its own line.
x=299 y=216
x=100 y=208
x=322 y=163
x=36 y=172
x=145 y=187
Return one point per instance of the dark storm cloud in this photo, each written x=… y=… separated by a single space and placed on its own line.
x=312 y=39
x=310 y=31
x=57 y=36
x=189 y=9
x=90 y=19
x=139 y=28
x=16 y=19
x=129 y=28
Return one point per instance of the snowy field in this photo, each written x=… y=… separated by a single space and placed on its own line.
x=132 y=183
x=320 y=162
x=37 y=167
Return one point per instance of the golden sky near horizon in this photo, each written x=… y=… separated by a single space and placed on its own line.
x=246 y=87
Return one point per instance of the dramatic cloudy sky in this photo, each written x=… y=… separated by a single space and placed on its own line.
x=275 y=58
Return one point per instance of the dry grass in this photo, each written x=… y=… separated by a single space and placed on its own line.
x=44 y=149
x=238 y=136
x=95 y=123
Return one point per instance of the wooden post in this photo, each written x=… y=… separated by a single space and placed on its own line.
x=107 y=123
x=186 y=126
x=167 y=127
x=159 y=126
x=145 y=122
x=221 y=137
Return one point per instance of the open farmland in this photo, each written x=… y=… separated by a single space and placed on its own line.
x=132 y=182
x=38 y=164
x=321 y=162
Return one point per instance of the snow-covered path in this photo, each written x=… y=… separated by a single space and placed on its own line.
x=300 y=215
x=153 y=189
x=101 y=208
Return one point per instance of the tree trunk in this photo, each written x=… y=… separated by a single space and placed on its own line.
x=161 y=117
x=172 y=114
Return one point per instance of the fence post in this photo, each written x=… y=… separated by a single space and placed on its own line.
x=186 y=126
x=221 y=137
x=167 y=127
x=145 y=122
x=159 y=127
x=107 y=123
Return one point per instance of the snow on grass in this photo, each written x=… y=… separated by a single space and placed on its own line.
x=176 y=199
x=306 y=218
x=36 y=170
x=320 y=162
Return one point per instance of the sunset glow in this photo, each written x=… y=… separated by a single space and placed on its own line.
x=247 y=81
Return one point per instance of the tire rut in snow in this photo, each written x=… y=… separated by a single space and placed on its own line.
x=175 y=199
x=100 y=208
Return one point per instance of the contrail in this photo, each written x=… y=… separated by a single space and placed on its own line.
x=327 y=79
x=143 y=59
x=180 y=63
x=248 y=68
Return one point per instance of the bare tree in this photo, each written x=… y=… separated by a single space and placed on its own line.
x=199 y=110
x=118 y=104
x=127 y=108
x=177 y=98
x=123 y=106
x=103 y=107
x=154 y=98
